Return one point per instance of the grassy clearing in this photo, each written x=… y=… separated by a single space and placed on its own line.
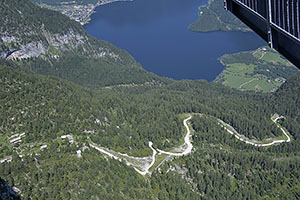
x=274 y=58
x=238 y=76
x=264 y=64
x=235 y=81
x=240 y=68
x=158 y=160
x=261 y=85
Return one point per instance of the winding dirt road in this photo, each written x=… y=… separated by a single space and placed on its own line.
x=186 y=141
x=242 y=138
x=146 y=170
x=189 y=146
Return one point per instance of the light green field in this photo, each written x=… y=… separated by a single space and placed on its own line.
x=261 y=85
x=237 y=76
x=274 y=58
x=242 y=76
x=235 y=81
x=258 y=53
x=239 y=68
x=270 y=56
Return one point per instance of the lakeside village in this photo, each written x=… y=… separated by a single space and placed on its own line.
x=78 y=12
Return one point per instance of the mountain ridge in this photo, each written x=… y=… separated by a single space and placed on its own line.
x=48 y=42
x=53 y=108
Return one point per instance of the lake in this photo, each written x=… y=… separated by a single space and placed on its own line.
x=156 y=34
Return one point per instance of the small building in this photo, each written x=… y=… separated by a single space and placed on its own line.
x=280 y=80
x=43 y=147
x=15 y=140
x=79 y=153
x=89 y=131
x=13 y=136
x=22 y=135
x=97 y=121
x=69 y=137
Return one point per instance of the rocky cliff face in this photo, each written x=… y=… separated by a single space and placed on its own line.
x=14 y=47
x=23 y=35
x=32 y=49
x=52 y=44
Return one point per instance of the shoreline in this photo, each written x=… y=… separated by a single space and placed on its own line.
x=87 y=19
x=79 y=12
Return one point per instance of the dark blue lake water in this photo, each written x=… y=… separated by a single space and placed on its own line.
x=156 y=33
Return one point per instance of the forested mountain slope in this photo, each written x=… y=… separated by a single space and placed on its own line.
x=47 y=123
x=125 y=119
x=46 y=107
x=213 y=17
x=28 y=31
x=48 y=42
x=287 y=98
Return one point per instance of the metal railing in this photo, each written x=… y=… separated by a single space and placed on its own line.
x=285 y=14
x=281 y=14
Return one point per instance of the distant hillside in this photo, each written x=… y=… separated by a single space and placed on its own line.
x=28 y=31
x=213 y=17
x=48 y=42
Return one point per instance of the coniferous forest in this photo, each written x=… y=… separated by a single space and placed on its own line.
x=112 y=101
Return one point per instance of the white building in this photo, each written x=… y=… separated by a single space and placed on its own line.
x=79 y=153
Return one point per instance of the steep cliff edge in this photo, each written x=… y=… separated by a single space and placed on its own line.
x=28 y=31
